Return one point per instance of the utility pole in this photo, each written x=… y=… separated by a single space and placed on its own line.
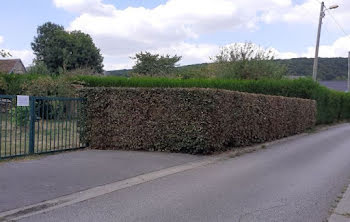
x=314 y=73
x=349 y=72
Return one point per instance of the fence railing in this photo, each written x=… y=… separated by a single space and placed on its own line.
x=45 y=125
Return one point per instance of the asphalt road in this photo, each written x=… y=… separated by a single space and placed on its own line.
x=33 y=181
x=295 y=181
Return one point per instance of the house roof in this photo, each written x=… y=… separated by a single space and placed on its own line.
x=336 y=85
x=7 y=65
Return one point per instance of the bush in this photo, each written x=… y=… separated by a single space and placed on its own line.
x=3 y=85
x=48 y=86
x=332 y=106
x=247 y=61
x=253 y=69
x=39 y=68
x=20 y=116
x=15 y=82
x=197 y=121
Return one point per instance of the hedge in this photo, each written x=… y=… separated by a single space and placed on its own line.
x=332 y=106
x=196 y=121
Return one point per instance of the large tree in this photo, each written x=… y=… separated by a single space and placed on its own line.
x=62 y=50
x=154 y=64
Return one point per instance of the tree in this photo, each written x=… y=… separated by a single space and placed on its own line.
x=62 y=51
x=154 y=64
x=38 y=68
x=247 y=61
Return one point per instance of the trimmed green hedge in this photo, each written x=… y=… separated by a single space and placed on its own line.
x=196 y=121
x=332 y=106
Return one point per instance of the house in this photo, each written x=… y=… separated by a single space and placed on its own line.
x=12 y=66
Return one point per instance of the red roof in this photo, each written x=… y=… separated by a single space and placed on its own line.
x=7 y=65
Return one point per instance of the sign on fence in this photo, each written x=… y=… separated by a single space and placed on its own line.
x=22 y=100
x=33 y=125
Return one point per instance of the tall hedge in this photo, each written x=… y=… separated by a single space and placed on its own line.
x=190 y=120
x=332 y=106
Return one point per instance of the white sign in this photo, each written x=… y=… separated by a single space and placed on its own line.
x=22 y=100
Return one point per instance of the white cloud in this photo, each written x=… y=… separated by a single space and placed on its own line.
x=26 y=56
x=339 y=48
x=308 y=12
x=172 y=22
x=283 y=55
x=191 y=54
x=165 y=28
x=95 y=7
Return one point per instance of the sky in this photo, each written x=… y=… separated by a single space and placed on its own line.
x=194 y=29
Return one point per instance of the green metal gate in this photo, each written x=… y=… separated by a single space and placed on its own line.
x=45 y=124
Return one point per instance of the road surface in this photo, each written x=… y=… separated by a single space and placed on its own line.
x=297 y=180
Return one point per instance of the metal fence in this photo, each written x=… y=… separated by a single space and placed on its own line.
x=45 y=125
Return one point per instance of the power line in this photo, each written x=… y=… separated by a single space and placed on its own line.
x=336 y=22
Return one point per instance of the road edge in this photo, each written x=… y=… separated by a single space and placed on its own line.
x=80 y=196
x=342 y=211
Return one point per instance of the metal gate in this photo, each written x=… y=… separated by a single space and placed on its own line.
x=45 y=124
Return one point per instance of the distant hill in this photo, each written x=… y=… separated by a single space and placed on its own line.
x=121 y=72
x=329 y=68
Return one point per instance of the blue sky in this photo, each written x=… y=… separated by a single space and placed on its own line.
x=195 y=29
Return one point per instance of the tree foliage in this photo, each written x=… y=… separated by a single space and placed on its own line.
x=154 y=64
x=62 y=51
x=38 y=68
x=4 y=53
x=246 y=61
x=243 y=52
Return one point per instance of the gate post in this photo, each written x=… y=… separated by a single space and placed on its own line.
x=32 y=125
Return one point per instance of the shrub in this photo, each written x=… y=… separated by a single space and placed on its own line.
x=20 y=116
x=252 y=69
x=39 y=68
x=247 y=61
x=3 y=85
x=82 y=71
x=15 y=83
x=48 y=86
x=197 y=121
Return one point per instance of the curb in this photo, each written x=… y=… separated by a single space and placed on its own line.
x=80 y=196
x=342 y=211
